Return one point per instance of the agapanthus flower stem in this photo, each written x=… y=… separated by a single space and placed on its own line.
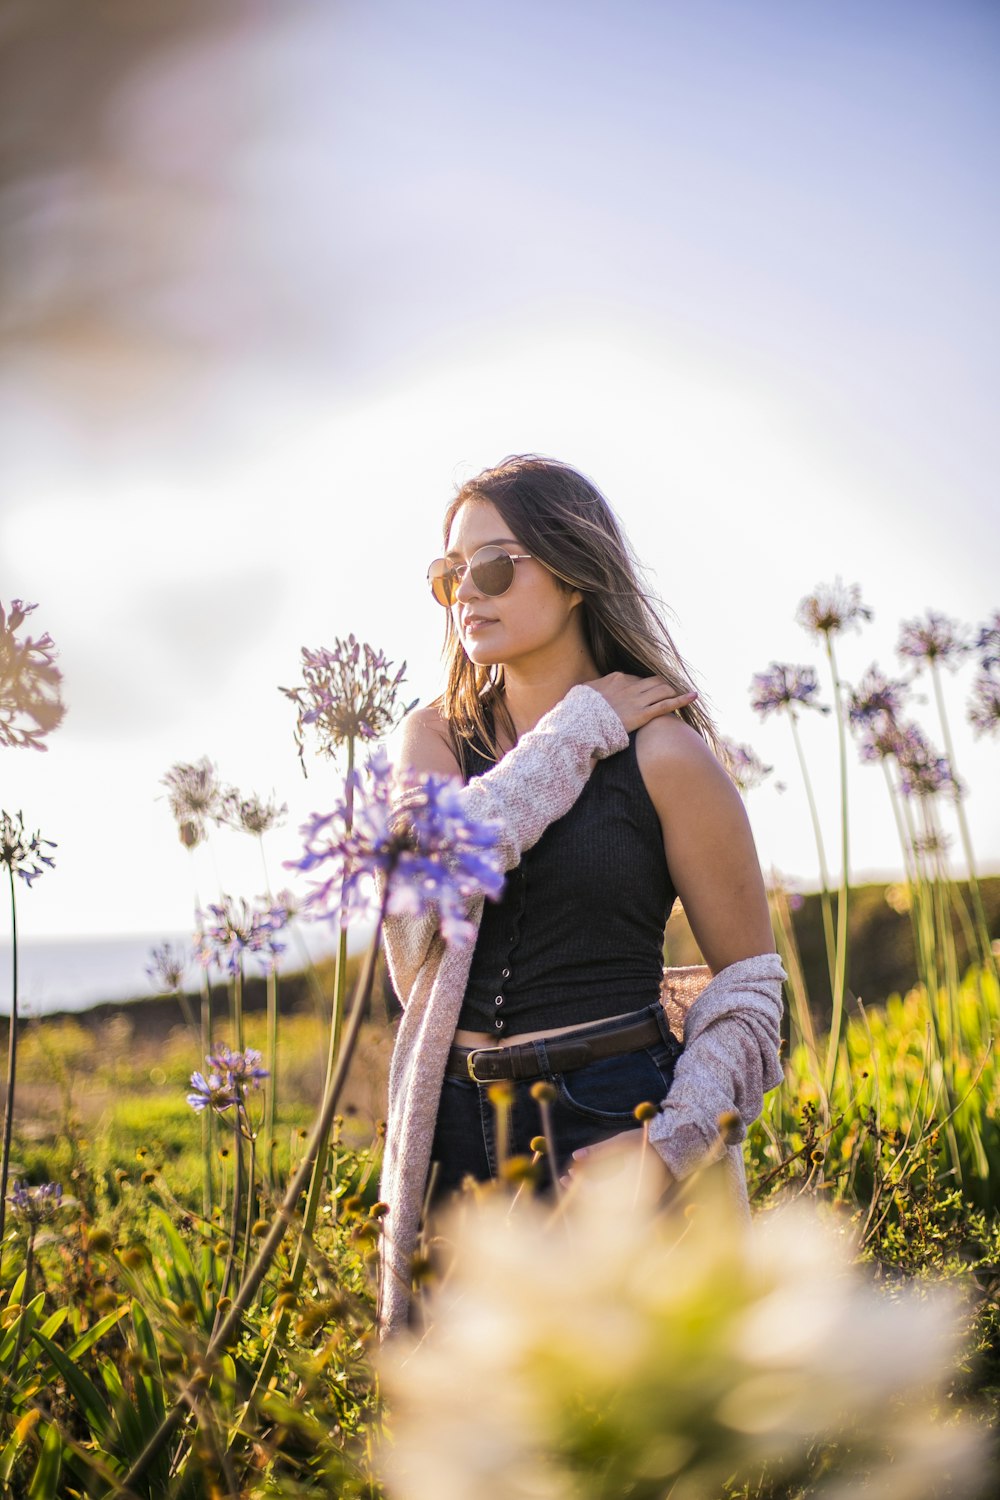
x=237 y=997
x=824 y=877
x=8 y=1111
x=986 y=951
x=272 y=1058
x=207 y=1115
x=843 y=939
x=285 y=1218
x=234 y=1228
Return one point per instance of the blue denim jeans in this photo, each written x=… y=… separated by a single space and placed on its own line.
x=592 y=1104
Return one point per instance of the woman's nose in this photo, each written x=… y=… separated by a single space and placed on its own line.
x=466 y=588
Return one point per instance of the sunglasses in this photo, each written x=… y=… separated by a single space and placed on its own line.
x=492 y=570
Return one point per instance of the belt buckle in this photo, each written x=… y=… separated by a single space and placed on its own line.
x=470 y=1063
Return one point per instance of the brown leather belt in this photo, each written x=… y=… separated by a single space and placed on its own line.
x=553 y=1054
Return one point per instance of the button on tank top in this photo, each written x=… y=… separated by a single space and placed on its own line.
x=577 y=935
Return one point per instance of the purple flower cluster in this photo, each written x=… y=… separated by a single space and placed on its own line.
x=29 y=682
x=35 y=1205
x=922 y=773
x=235 y=928
x=167 y=967
x=831 y=608
x=22 y=852
x=984 y=705
x=349 y=693
x=410 y=834
x=876 y=698
x=230 y=1075
x=781 y=686
x=250 y=814
x=987 y=643
x=195 y=795
x=933 y=638
x=744 y=765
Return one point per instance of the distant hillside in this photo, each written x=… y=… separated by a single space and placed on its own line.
x=882 y=960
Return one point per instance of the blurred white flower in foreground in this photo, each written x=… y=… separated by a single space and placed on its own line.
x=613 y=1351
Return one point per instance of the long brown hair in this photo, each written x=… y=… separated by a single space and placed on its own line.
x=564 y=521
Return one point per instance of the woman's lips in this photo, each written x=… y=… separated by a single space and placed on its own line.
x=475 y=623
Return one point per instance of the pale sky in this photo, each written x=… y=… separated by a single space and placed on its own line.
x=736 y=262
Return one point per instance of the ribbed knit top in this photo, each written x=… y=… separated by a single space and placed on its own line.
x=577 y=935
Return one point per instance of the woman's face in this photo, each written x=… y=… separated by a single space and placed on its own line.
x=535 y=618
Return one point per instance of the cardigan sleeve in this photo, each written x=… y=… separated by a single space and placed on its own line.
x=730 y=1059
x=535 y=783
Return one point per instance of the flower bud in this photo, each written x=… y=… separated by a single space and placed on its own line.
x=544 y=1092
x=646 y=1111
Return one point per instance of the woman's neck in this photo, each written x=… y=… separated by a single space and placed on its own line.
x=530 y=694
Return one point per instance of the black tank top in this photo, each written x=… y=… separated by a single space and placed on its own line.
x=577 y=934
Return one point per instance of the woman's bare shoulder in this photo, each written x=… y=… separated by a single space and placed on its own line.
x=670 y=741
x=422 y=742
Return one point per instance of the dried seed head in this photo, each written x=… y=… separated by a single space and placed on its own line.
x=539 y=1145
x=646 y=1111
x=544 y=1092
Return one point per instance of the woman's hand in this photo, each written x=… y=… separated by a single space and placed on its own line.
x=624 y=1152
x=636 y=700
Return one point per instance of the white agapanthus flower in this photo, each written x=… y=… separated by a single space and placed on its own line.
x=612 y=1349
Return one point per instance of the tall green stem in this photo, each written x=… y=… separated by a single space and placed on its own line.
x=272 y=1062
x=238 y=1005
x=824 y=877
x=989 y=960
x=207 y=1119
x=840 y=976
x=8 y=1108
x=340 y=979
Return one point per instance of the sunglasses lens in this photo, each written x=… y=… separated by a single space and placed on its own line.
x=492 y=571
x=443 y=582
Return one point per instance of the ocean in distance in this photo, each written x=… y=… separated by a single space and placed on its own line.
x=75 y=973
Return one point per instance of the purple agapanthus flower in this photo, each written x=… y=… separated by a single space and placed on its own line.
x=30 y=682
x=349 y=693
x=987 y=642
x=831 y=608
x=744 y=765
x=230 y=1075
x=984 y=704
x=922 y=772
x=211 y=1092
x=195 y=795
x=236 y=928
x=781 y=686
x=933 y=638
x=250 y=814
x=167 y=966
x=23 y=852
x=876 y=696
x=35 y=1205
x=412 y=835
x=243 y=1069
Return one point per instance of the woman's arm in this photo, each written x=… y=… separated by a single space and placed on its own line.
x=708 y=843
x=731 y=1037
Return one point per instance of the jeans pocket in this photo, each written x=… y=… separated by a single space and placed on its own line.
x=607 y=1092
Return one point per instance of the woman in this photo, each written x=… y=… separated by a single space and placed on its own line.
x=568 y=714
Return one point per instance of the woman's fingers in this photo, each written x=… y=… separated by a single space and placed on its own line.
x=636 y=700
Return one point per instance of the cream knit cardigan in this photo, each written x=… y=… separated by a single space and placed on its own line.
x=731 y=1031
